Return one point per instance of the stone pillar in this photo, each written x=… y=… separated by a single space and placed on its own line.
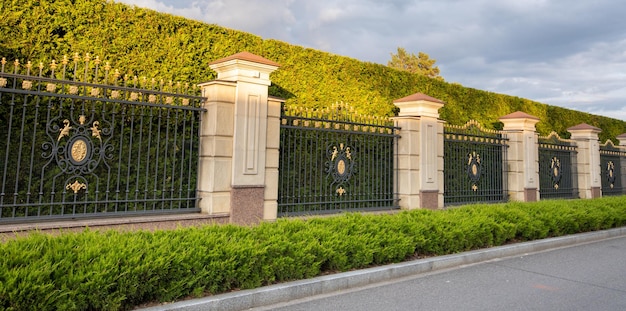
x=272 y=158
x=522 y=157
x=420 y=152
x=588 y=160
x=216 y=147
x=233 y=166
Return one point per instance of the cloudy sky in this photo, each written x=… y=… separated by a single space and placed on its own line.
x=569 y=53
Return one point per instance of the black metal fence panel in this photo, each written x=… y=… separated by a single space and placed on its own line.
x=73 y=146
x=556 y=169
x=474 y=162
x=332 y=160
x=612 y=160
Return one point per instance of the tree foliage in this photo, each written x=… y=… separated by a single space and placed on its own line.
x=420 y=64
x=147 y=43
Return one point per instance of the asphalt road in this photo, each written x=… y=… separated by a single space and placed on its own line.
x=584 y=277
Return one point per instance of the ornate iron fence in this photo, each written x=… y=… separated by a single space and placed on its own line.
x=76 y=144
x=556 y=169
x=333 y=160
x=474 y=162
x=612 y=160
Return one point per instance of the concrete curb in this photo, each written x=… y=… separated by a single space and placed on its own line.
x=284 y=292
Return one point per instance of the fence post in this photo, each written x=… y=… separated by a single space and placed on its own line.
x=420 y=152
x=588 y=160
x=522 y=160
x=234 y=138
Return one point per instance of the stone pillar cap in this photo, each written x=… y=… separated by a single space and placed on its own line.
x=418 y=97
x=584 y=127
x=245 y=56
x=518 y=115
x=244 y=67
x=622 y=139
x=418 y=105
x=519 y=121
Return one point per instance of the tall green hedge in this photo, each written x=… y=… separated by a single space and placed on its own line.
x=148 y=43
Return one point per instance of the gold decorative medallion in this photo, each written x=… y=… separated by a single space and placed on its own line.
x=341 y=191
x=341 y=167
x=76 y=186
x=27 y=85
x=79 y=150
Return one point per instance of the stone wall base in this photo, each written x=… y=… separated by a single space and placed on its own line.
x=429 y=199
x=530 y=195
x=596 y=192
x=246 y=205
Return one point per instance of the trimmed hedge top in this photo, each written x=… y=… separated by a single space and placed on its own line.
x=115 y=271
x=152 y=44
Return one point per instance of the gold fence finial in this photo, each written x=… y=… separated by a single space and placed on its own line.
x=29 y=65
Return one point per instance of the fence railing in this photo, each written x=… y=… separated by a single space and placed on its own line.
x=556 y=169
x=612 y=161
x=79 y=140
x=474 y=162
x=334 y=160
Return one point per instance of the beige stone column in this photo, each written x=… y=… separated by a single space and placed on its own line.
x=216 y=147
x=522 y=157
x=272 y=158
x=233 y=172
x=420 y=152
x=588 y=160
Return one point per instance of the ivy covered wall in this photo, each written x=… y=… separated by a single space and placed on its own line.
x=147 y=43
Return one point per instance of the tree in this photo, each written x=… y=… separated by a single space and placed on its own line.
x=421 y=64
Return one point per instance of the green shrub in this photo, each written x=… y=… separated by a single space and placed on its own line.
x=111 y=270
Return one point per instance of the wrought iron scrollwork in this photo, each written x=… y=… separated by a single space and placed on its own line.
x=610 y=173
x=474 y=169
x=555 y=171
x=78 y=148
x=340 y=166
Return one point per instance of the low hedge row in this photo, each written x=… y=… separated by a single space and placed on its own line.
x=113 y=270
